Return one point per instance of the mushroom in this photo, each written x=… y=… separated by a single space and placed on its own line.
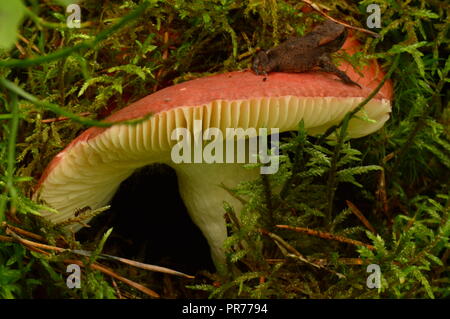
x=90 y=169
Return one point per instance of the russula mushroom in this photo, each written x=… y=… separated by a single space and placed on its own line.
x=90 y=169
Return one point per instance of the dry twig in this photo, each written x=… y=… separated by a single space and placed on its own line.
x=111 y=273
x=64 y=118
x=23 y=232
x=320 y=11
x=326 y=235
x=13 y=232
x=360 y=216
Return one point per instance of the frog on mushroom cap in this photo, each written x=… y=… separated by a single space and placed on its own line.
x=307 y=53
x=90 y=169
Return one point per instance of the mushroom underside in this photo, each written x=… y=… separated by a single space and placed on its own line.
x=89 y=172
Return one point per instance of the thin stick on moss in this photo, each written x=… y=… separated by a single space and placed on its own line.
x=28 y=243
x=14 y=237
x=360 y=216
x=136 y=264
x=344 y=261
x=31 y=45
x=326 y=235
x=287 y=249
x=116 y=288
x=64 y=118
x=382 y=196
x=34 y=246
x=111 y=273
x=23 y=232
x=320 y=11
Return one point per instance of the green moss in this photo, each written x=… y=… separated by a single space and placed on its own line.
x=398 y=177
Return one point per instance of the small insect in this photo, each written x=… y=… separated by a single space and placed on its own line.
x=83 y=210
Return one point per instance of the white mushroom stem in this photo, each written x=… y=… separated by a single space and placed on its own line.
x=204 y=197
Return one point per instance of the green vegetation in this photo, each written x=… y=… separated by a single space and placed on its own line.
x=398 y=178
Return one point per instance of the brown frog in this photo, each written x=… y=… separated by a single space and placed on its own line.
x=302 y=54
